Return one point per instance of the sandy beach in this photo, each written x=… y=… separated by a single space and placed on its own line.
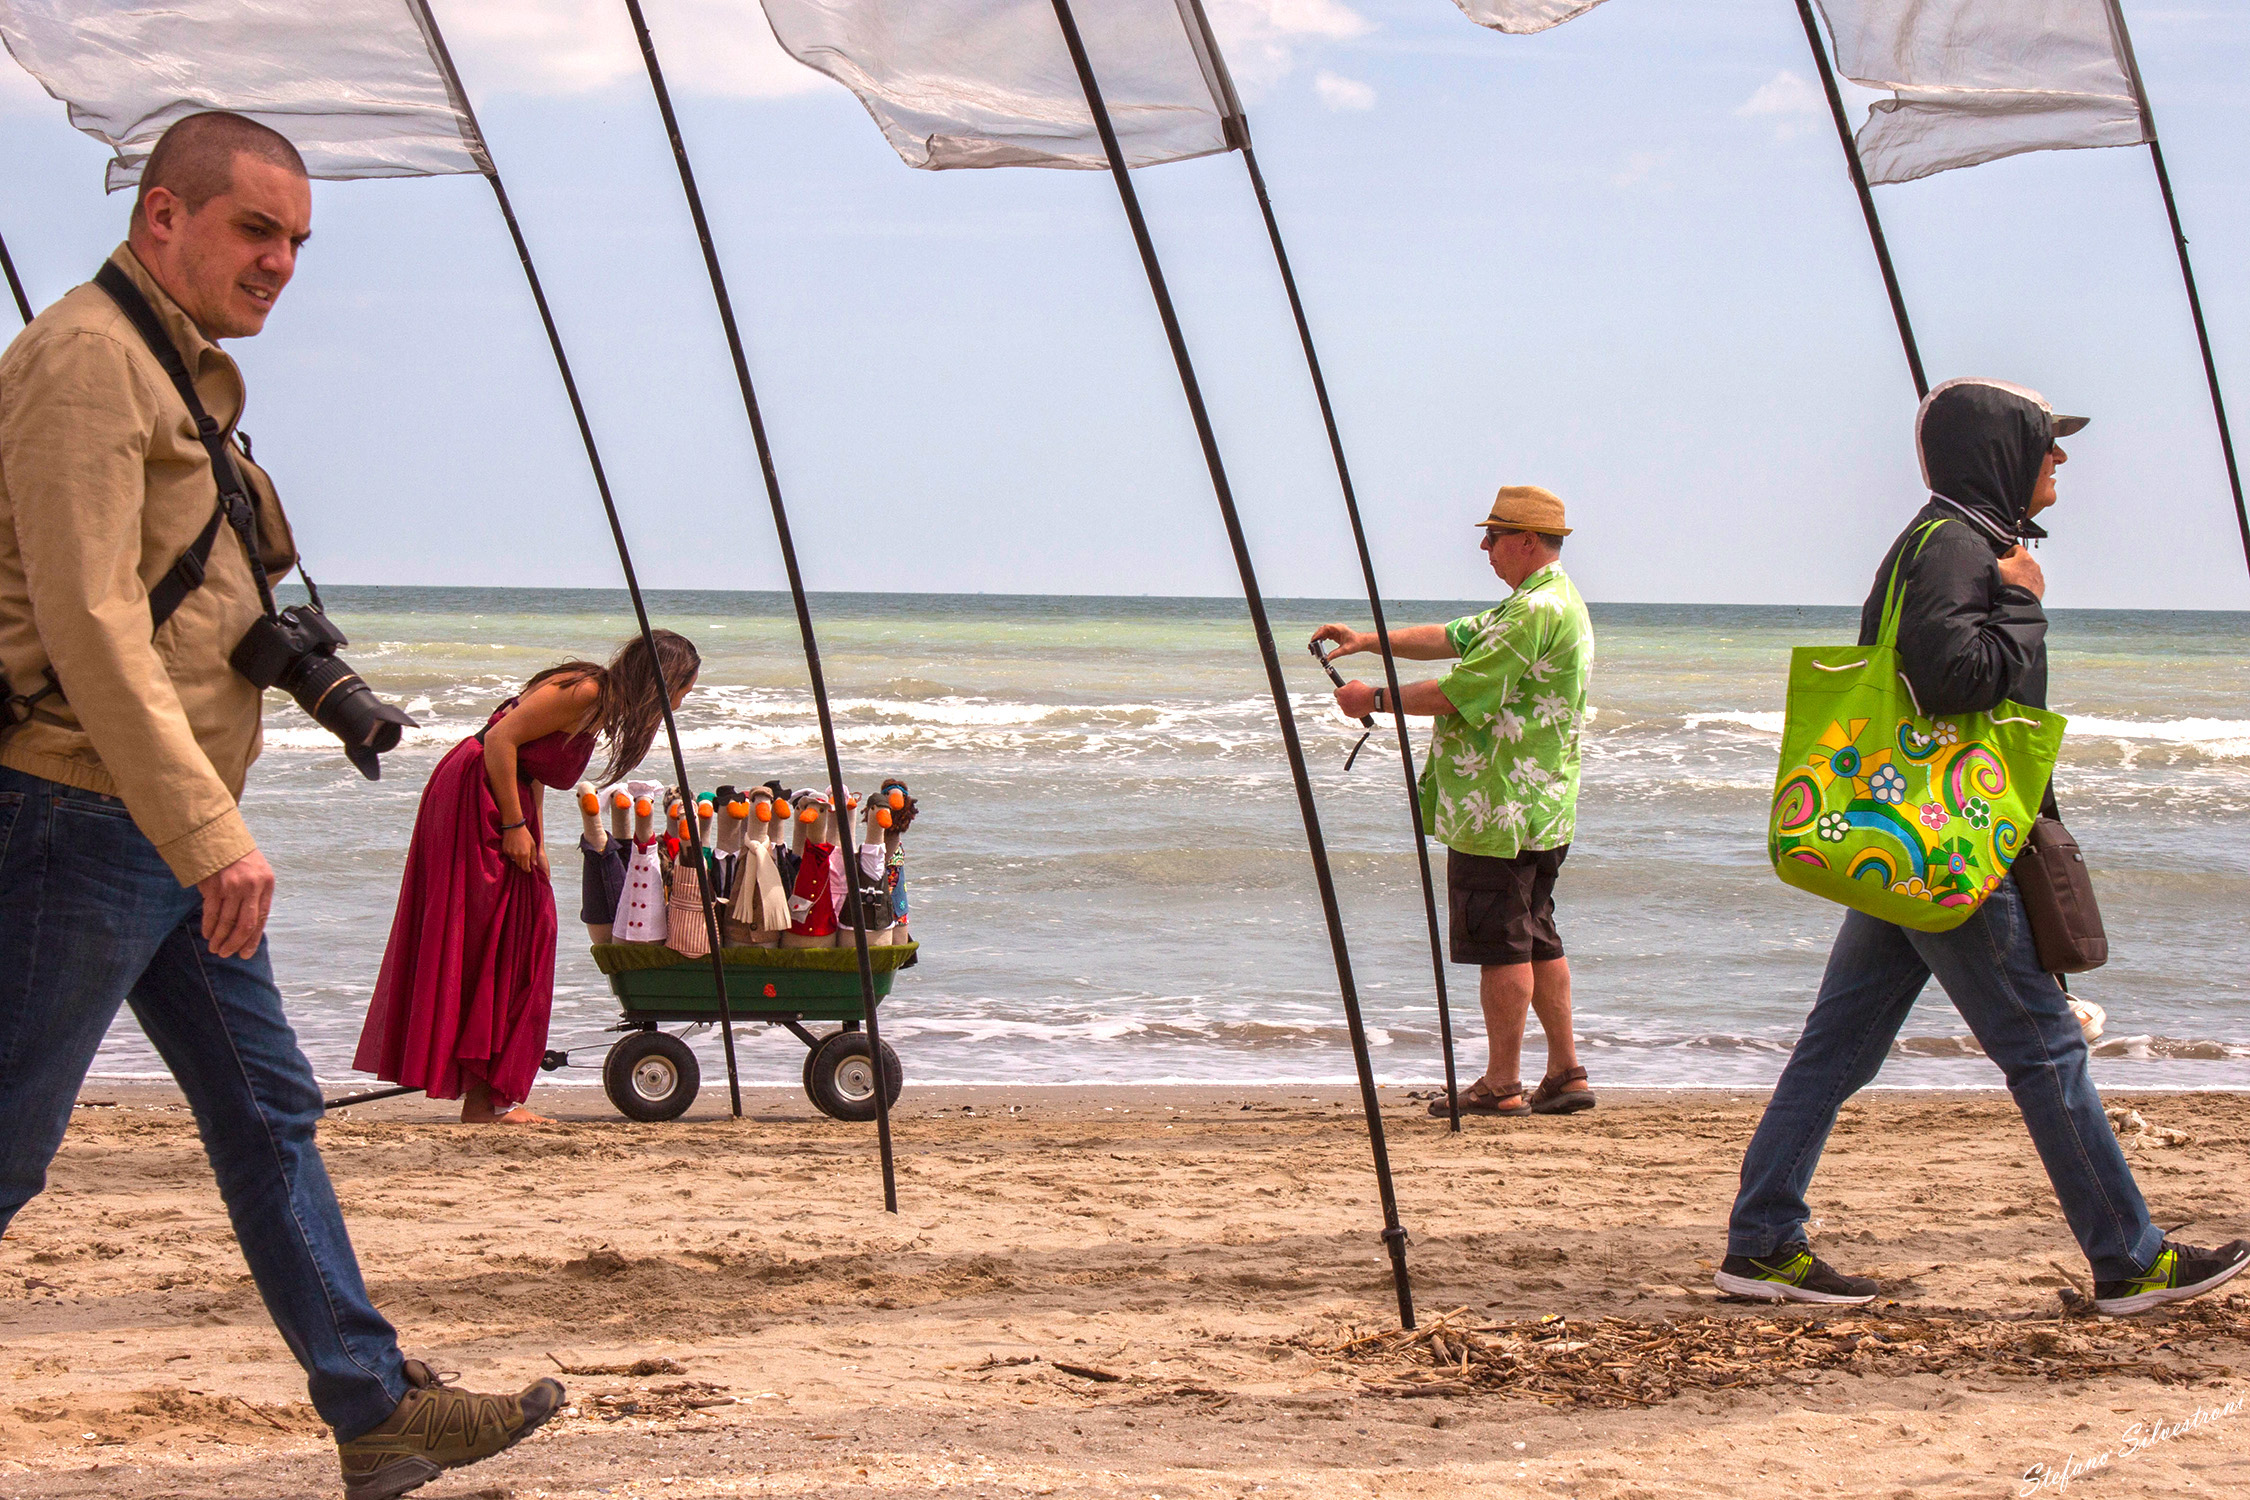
x=1135 y=1292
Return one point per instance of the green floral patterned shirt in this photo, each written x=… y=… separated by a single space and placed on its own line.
x=1502 y=772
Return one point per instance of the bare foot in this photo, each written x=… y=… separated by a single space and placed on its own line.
x=518 y=1115
x=476 y=1109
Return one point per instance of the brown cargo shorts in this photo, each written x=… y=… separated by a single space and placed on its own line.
x=1503 y=909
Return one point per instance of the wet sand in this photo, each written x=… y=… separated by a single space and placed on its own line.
x=1104 y=1293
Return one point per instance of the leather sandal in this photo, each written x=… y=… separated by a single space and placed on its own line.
x=1480 y=1098
x=1551 y=1099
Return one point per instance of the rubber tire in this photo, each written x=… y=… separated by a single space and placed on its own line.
x=642 y=1059
x=845 y=1052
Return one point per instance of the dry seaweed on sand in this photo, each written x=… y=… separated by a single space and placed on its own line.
x=662 y=1403
x=1618 y=1361
x=651 y=1366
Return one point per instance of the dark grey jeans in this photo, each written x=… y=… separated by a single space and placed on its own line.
x=2018 y=1013
x=91 y=917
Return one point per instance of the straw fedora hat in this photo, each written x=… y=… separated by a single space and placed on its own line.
x=1527 y=507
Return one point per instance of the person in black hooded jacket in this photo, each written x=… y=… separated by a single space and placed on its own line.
x=1972 y=634
x=1971 y=631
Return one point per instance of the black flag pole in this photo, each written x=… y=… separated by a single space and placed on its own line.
x=617 y=535
x=1394 y=1235
x=15 y=284
x=2203 y=338
x=844 y=835
x=2187 y=268
x=1375 y=607
x=1866 y=198
x=1239 y=132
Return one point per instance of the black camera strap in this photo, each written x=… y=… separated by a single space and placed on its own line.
x=235 y=507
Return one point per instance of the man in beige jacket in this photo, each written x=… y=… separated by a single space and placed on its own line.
x=127 y=873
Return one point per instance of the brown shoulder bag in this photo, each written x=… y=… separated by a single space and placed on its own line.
x=2058 y=899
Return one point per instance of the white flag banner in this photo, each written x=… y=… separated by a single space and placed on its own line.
x=1524 y=16
x=989 y=83
x=1975 y=80
x=355 y=85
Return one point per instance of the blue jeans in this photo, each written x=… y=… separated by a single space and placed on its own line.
x=2018 y=1013
x=90 y=916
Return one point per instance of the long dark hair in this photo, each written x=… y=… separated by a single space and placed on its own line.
x=635 y=687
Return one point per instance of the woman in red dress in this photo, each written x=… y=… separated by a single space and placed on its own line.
x=468 y=978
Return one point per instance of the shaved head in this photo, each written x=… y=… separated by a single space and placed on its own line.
x=195 y=159
x=225 y=205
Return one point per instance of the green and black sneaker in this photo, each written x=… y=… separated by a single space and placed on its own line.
x=2178 y=1273
x=1792 y=1274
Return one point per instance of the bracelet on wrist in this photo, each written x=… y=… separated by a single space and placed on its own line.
x=518 y=823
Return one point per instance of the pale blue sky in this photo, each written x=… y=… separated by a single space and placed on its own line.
x=1600 y=259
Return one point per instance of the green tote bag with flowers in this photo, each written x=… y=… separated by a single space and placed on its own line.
x=1910 y=818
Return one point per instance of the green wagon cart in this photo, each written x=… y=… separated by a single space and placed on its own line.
x=651 y=1074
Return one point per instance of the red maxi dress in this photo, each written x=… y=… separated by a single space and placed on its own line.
x=468 y=978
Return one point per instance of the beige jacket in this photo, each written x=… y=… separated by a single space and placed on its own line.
x=103 y=484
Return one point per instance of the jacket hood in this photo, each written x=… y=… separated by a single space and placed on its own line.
x=1981 y=443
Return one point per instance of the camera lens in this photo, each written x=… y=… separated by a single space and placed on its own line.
x=296 y=652
x=327 y=688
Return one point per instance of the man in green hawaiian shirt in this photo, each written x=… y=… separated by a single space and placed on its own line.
x=1500 y=788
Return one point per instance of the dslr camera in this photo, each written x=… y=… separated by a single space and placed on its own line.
x=295 y=651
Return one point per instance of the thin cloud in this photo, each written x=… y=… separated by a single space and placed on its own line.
x=1261 y=37
x=725 y=48
x=1338 y=92
x=1291 y=18
x=1790 y=102
x=1641 y=168
x=720 y=48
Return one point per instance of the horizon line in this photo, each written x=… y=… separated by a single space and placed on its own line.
x=783 y=593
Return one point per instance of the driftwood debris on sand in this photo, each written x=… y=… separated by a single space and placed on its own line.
x=1616 y=1361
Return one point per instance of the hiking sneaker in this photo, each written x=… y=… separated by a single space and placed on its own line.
x=1792 y=1274
x=2178 y=1273
x=439 y=1427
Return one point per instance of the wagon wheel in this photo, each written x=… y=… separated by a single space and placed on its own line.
x=841 y=1077
x=812 y=1050
x=651 y=1075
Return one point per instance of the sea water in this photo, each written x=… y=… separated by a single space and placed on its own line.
x=1109 y=873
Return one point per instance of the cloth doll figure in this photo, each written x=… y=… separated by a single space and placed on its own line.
x=839 y=889
x=726 y=854
x=602 y=879
x=640 y=911
x=686 y=933
x=874 y=905
x=736 y=824
x=786 y=851
x=902 y=808
x=758 y=900
x=812 y=903
x=728 y=831
x=675 y=829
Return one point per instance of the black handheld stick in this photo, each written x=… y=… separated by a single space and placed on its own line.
x=1367 y=721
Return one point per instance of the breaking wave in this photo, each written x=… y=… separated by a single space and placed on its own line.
x=1110 y=876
